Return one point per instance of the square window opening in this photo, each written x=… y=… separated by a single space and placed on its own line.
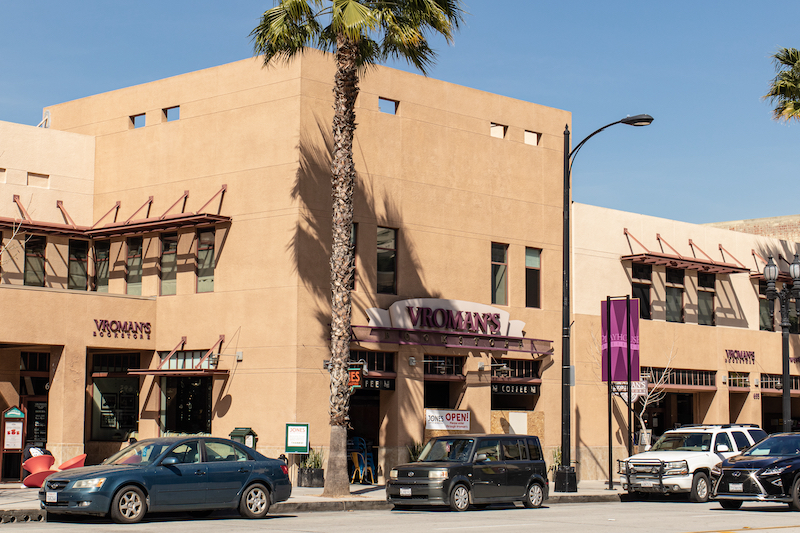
x=498 y=130
x=532 y=138
x=388 y=106
x=172 y=113
x=138 y=121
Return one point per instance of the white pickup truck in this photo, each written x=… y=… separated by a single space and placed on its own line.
x=680 y=461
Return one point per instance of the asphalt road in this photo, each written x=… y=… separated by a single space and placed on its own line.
x=649 y=517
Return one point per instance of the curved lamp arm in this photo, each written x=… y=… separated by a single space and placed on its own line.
x=636 y=120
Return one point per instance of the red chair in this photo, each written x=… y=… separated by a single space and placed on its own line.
x=39 y=463
x=36 y=480
x=76 y=462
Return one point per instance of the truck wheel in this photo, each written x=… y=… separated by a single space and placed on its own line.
x=699 y=488
x=459 y=498
x=731 y=505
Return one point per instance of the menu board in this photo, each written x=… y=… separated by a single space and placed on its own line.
x=37 y=421
x=13 y=435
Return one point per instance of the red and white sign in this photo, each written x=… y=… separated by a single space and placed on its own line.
x=447 y=420
x=13 y=436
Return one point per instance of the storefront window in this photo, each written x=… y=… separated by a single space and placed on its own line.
x=186 y=405
x=115 y=396
x=169 y=263
x=102 y=251
x=34 y=261
x=78 y=265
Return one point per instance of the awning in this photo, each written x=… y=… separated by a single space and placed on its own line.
x=677 y=260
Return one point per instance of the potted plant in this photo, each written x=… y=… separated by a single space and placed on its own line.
x=414 y=451
x=556 y=462
x=310 y=473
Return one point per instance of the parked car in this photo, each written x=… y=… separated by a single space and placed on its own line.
x=682 y=459
x=767 y=472
x=459 y=470
x=196 y=474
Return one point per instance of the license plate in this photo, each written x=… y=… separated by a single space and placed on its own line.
x=736 y=487
x=405 y=492
x=51 y=497
x=646 y=483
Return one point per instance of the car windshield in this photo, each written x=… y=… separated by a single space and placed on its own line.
x=684 y=442
x=777 y=445
x=141 y=453
x=446 y=450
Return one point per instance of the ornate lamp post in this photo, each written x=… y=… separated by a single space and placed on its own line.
x=783 y=296
x=565 y=475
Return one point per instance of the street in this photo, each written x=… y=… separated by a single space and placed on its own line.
x=659 y=516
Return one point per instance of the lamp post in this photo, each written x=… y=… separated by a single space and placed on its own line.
x=566 y=480
x=783 y=296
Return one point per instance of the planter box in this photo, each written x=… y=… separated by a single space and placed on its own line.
x=310 y=477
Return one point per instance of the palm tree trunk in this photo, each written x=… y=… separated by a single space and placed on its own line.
x=343 y=178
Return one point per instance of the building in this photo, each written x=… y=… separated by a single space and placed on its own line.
x=180 y=284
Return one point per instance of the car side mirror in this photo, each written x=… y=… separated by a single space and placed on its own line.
x=169 y=461
x=481 y=457
x=723 y=448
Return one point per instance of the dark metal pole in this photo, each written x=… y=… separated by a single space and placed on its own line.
x=787 y=384
x=566 y=406
x=608 y=378
x=630 y=392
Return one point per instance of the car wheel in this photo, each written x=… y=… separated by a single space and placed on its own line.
x=255 y=501
x=534 y=496
x=699 y=488
x=731 y=505
x=795 y=503
x=459 y=498
x=128 y=505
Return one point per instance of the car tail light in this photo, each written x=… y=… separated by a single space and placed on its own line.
x=285 y=470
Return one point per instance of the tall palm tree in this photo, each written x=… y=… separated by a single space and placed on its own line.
x=784 y=92
x=360 y=33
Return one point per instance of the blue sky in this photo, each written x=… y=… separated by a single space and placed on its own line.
x=700 y=68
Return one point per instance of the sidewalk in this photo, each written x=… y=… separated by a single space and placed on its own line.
x=22 y=505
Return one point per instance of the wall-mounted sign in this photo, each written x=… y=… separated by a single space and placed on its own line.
x=447 y=419
x=120 y=329
x=13 y=435
x=513 y=388
x=354 y=376
x=740 y=356
x=377 y=384
x=296 y=438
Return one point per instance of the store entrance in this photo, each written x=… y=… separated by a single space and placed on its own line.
x=364 y=436
x=772 y=413
x=675 y=409
x=186 y=405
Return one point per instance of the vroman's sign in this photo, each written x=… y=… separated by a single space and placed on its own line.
x=121 y=329
x=740 y=356
x=449 y=324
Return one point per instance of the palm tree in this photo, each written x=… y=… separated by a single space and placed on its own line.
x=360 y=33
x=784 y=92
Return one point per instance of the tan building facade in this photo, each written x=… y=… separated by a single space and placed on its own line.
x=186 y=288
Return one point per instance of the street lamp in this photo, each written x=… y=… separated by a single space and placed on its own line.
x=783 y=296
x=566 y=480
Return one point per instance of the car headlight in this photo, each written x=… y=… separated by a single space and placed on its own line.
x=94 y=483
x=393 y=473
x=437 y=474
x=773 y=470
x=716 y=470
x=676 y=467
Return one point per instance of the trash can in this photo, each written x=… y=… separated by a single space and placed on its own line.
x=246 y=436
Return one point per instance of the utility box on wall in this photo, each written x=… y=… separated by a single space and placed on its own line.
x=245 y=436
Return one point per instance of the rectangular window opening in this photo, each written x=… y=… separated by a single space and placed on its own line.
x=172 y=113
x=137 y=121
x=169 y=263
x=38 y=180
x=205 y=261
x=641 y=292
x=35 y=247
x=499 y=273
x=532 y=138
x=387 y=261
x=533 y=277
x=134 y=267
x=78 y=268
x=102 y=252
x=498 y=130
x=388 y=106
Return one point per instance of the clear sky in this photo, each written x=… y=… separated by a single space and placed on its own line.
x=699 y=67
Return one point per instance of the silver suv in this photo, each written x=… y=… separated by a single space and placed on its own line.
x=682 y=459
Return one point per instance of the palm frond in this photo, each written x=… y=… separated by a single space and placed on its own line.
x=287 y=29
x=784 y=91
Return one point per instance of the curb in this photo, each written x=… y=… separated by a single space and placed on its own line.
x=342 y=505
x=27 y=515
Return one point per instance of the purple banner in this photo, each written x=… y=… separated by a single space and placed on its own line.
x=619 y=340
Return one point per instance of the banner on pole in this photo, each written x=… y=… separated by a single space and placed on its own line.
x=619 y=340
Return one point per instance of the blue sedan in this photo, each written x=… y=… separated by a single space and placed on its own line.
x=195 y=474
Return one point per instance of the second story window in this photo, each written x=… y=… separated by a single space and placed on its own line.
x=640 y=287
x=764 y=305
x=169 y=263
x=133 y=275
x=705 y=298
x=387 y=261
x=102 y=252
x=675 y=294
x=533 y=277
x=205 y=261
x=499 y=273
x=78 y=265
x=34 y=261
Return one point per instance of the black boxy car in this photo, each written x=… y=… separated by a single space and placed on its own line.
x=459 y=470
x=767 y=472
